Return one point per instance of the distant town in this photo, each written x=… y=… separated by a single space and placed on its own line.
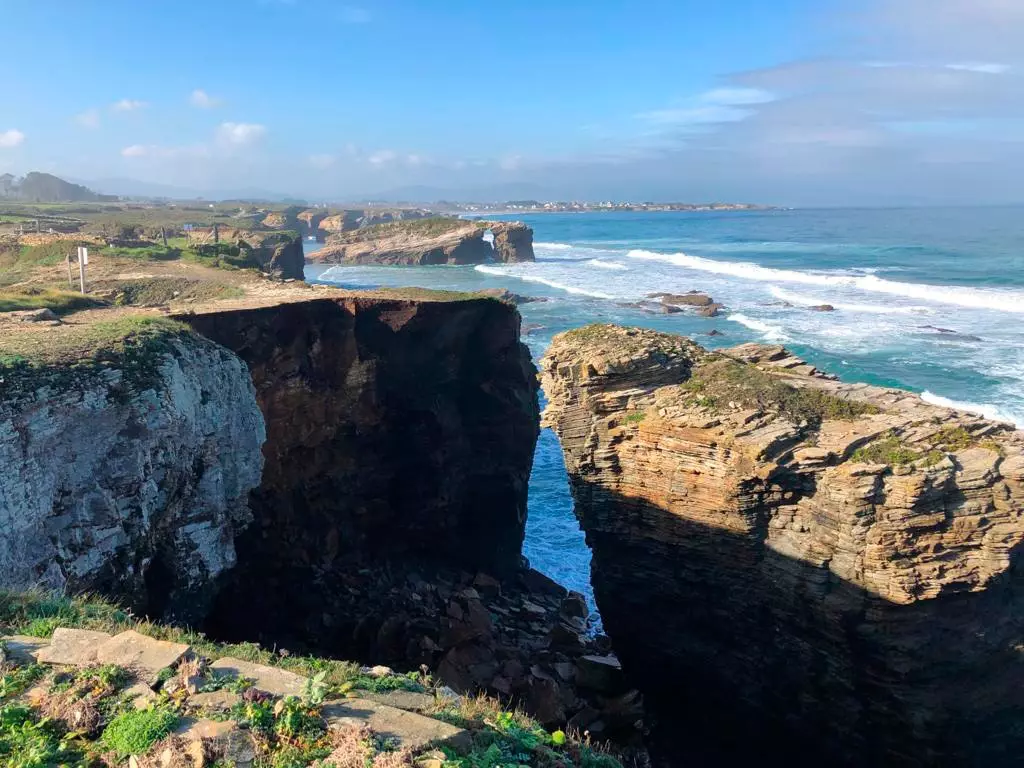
x=539 y=206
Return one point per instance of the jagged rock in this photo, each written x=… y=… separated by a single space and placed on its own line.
x=691 y=299
x=288 y=261
x=600 y=673
x=131 y=485
x=794 y=569
x=43 y=315
x=822 y=308
x=455 y=241
x=710 y=310
x=395 y=428
x=221 y=701
x=513 y=241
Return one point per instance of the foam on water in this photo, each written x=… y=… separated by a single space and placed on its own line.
x=977 y=298
x=770 y=332
x=532 y=278
x=988 y=410
x=600 y=264
x=878 y=309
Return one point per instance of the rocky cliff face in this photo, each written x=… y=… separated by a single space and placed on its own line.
x=451 y=242
x=133 y=488
x=430 y=241
x=791 y=567
x=513 y=241
x=394 y=428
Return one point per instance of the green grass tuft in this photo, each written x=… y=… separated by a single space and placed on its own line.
x=724 y=381
x=134 y=731
x=61 y=302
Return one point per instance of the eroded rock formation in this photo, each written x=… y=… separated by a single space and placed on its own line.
x=513 y=241
x=792 y=568
x=131 y=487
x=394 y=428
x=428 y=242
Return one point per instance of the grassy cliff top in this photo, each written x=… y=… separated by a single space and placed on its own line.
x=430 y=227
x=93 y=715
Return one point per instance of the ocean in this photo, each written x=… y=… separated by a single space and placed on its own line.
x=929 y=300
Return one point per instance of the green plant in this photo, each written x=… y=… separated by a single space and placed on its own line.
x=890 y=450
x=315 y=689
x=16 y=680
x=133 y=732
x=635 y=417
x=26 y=742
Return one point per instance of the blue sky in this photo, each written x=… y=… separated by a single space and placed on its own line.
x=788 y=101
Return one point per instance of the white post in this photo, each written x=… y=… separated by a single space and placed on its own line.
x=83 y=259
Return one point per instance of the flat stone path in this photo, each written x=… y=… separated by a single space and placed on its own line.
x=390 y=715
x=279 y=682
x=407 y=729
x=141 y=654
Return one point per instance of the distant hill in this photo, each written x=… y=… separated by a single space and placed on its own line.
x=36 y=187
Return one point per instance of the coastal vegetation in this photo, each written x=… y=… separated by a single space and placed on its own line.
x=723 y=381
x=96 y=715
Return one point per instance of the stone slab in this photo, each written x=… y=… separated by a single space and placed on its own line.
x=194 y=729
x=407 y=729
x=72 y=647
x=272 y=680
x=141 y=695
x=144 y=655
x=408 y=700
x=220 y=701
x=21 y=649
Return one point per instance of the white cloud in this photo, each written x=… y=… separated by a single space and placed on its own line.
x=240 y=134
x=88 y=119
x=382 y=157
x=128 y=105
x=987 y=68
x=704 y=115
x=737 y=96
x=201 y=99
x=414 y=160
x=353 y=14
x=11 y=138
x=135 y=150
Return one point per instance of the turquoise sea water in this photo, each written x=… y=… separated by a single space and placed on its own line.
x=895 y=278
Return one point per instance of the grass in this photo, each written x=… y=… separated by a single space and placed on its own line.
x=889 y=450
x=134 y=731
x=724 y=381
x=288 y=732
x=429 y=227
x=33 y=297
x=635 y=417
x=157 y=291
x=78 y=355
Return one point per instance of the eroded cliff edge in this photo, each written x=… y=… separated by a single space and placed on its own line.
x=129 y=477
x=791 y=567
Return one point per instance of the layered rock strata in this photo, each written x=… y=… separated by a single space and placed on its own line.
x=394 y=428
x=791 y=567
x=130 y=480
x=430 y=242
x=513 y=241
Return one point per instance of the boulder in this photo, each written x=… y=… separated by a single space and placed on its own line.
x=513 y=241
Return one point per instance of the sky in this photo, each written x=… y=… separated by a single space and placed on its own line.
x=792 y=102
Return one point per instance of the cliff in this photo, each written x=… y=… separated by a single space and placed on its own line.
x=430 y=241
x=128 y=477
x=790 y=567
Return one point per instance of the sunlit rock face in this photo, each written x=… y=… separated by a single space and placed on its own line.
x=793 y=568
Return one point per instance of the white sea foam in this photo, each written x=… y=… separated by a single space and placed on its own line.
x=601 y=264
x=877 y=309
x=988 y=410
x=544 y=281
x=553 y=246
x=771 y=332
x=992 y=299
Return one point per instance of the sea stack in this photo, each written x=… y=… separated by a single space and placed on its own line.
x=792 y=568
